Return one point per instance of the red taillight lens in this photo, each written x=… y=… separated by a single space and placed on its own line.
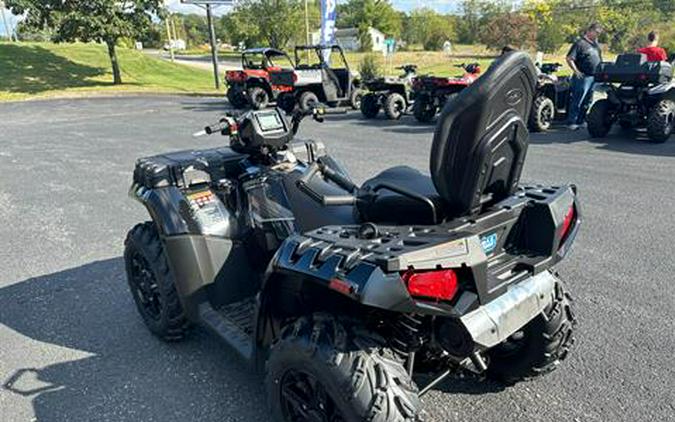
x=440 y=284
x=567 y=223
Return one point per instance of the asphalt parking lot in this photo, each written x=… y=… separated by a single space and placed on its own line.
x=72 y=347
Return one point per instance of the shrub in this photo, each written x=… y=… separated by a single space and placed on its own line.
x=370 y=67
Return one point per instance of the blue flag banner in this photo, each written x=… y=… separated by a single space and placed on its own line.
x=328 y=16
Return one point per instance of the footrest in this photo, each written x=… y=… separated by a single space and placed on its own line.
x=233 y=323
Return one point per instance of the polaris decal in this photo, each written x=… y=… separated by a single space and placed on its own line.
x=489 y=243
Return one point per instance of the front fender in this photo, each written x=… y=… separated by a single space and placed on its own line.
x=164 y=206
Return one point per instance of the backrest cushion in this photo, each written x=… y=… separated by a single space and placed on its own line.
x=481 y=138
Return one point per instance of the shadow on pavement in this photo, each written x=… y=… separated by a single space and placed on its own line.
x=121 y=372
x=629 y=142
x=126 y=373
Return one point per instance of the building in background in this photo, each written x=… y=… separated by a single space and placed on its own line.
x=348 y=39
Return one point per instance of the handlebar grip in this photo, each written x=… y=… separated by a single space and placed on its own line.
x=334 y=200
x=215 y=128
x=334 y=111
x=339 y=179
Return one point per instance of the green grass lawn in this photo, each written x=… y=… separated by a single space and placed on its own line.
x=29 y=70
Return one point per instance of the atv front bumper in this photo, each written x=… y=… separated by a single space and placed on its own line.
x=497 y=320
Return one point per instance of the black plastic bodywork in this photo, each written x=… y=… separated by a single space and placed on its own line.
x=634 y=86
x=243 y=240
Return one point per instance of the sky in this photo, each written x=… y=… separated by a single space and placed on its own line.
x=442 y=6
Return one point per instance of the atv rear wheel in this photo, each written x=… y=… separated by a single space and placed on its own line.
x=152 y=283
x=539 y=347
x=394 y=106
x=236 y=96
x=599 y=119
x=258 y=98
x=543 y=113
x=661 y=121
x=325 y=369
x=370 y=106
x=308 y=100
x=424 y=110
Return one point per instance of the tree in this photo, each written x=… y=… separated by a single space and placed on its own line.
x=429 y=28
x=514 y=29
x=105 y=21
x=550 y=33
x=362 y=14
x=273 y=22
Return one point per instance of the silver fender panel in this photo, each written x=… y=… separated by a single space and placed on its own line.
x=494 y=322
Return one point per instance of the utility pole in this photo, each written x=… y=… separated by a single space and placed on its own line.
x=214 y=51
x=307 y=24
x=168 y=36
x=8 y=30
x=173 y=28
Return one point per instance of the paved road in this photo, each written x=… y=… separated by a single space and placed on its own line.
x=73 y=349
x=201 y=62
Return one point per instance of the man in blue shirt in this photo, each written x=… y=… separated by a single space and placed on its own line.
x=583 y=58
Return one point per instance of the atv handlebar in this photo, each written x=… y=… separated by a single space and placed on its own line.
x=303 y=184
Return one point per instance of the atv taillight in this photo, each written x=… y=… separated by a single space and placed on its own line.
x=567 y=223
x=437 y=284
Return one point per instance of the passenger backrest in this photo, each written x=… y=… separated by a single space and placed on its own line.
x=481 y=138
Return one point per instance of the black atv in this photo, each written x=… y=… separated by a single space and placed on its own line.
x=640 y=94
x=341 y=293
x=551 y=100
x=322 y=75
x=391 y=94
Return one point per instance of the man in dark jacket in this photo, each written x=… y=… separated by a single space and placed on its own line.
x=584 y=57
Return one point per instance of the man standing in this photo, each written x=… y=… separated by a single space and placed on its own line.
x=584 y=57
x=653 y=51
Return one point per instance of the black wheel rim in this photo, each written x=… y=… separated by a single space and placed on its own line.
x=261 y=99
x=145 y=287
x=399 y=106
x=304 y=399
x=547 y=115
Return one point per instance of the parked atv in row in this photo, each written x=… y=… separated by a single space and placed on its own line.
x=640 y=94
x=430 y=93
x=267 y=73
x=552 y=98
x=322 y=75
x=341 y=293
x=393 y=95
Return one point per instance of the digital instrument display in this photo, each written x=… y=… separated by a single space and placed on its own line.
x=269 y=121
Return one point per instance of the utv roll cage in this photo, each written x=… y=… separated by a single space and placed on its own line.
x=262 y=58
x=319 y=50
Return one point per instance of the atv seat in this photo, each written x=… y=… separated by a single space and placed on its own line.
x=477 y=153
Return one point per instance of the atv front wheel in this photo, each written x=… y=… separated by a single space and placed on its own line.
x=152 y=283
x=236 y=96
x=539 y=347
x=394 y=106
x=543 y=113
x=258 y=98
x=355 y=99
x=661 y=121
x=599 y=120
x=325 y=369
x=308 y=100
x=424 y=110
x=370 y=106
